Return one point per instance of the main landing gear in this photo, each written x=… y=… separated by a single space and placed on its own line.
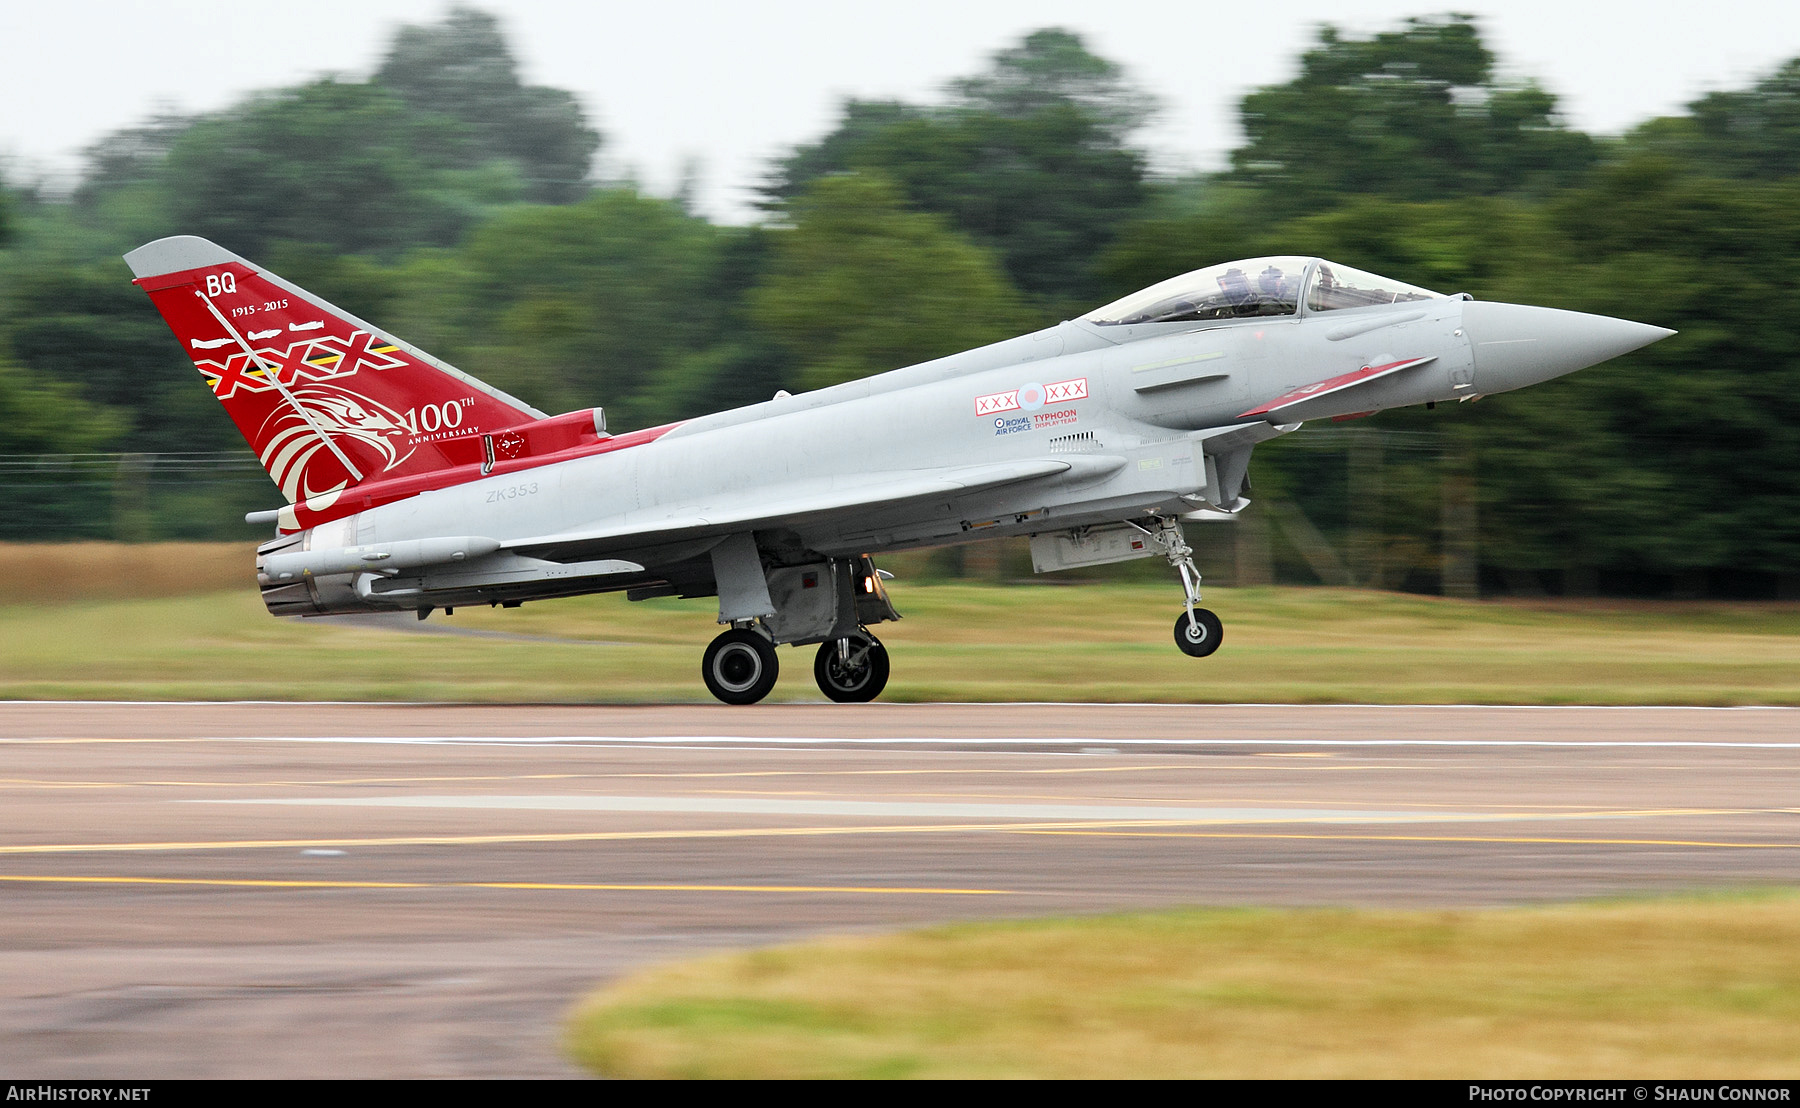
x=1198 y=631
x=831 y=603
x=851 y=670
x=740 y=667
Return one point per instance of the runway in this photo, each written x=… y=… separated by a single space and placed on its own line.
x=337 y=890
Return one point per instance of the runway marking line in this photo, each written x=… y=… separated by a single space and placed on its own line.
x=537 y=886
x=1425 y=808
x=1508 y=839
x=1077 y=815
x=890 y=706
x=1118 y=828
x=51 y=783
x=1529 y=810
x=548 y=837
x=998 y=744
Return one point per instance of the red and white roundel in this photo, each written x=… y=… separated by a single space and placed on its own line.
x=1032 y=397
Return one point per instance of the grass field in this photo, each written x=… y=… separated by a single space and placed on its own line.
x=151 y=623
x=1705 y=988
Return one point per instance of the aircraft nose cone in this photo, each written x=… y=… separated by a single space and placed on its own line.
x=1515 y=345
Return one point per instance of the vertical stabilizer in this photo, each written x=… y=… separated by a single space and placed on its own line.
x=326 y=400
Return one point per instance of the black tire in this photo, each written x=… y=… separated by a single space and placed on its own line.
x=740 y=667
x=1201 y=638
x=857 y=685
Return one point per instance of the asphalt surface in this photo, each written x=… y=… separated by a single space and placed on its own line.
x=305 y=890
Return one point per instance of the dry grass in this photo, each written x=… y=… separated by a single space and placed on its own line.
x=51 y=572
x=1686 y=989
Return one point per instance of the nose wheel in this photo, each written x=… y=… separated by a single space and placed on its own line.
x=739 y=667
x=851 y=670
x=1197 y=631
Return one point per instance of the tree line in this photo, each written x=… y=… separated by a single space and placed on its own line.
x=452 y=203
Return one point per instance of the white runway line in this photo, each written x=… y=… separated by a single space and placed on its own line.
x=883 y=809
x=1084 y=746
x=874 y=809
x=1090 y=744
x=898 y=706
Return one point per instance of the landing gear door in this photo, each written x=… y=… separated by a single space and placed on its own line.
x=1461 y=358
x=872 y=603
x=826 y=600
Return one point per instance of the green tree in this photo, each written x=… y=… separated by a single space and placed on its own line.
x=1753 y=132
x=1414 y=113
x=128 y=158
x=1561 y=483
x=862 y=285
x=1052 y=69
x=1188 y=224
x=1750 y=133
x=594 y=303
x=39 y=415
x=1029 y=158
x=85 y=332
x=50 y=497
x=1717 y=408
x=341 y=165
x=462 y=68
x=1668 y=463
x=445 y=133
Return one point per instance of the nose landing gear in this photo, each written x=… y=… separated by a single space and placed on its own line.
x=1198 y=632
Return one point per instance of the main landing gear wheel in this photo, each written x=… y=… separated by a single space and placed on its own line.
x=740 y=666
x=1199 y=636
x=853 y=670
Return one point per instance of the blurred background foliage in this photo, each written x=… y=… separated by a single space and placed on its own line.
x=450 y=202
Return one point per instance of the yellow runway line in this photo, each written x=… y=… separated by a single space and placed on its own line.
x=1518 y=840
x=78 y=741
x=549 y=837
x=52 y=783
x=1126 y=828
x=538 y=886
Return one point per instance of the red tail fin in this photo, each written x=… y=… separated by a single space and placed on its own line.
x=326 y=400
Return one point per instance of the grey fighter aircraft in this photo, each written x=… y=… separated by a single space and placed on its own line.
x=411 y=486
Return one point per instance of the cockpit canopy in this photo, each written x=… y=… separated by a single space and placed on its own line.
x=1256 y=287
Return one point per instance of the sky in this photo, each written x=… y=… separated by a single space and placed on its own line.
x=730 y=86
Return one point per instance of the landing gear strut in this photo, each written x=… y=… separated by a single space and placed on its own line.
x=851 y=670
x=740 y=667
x=1198 y=631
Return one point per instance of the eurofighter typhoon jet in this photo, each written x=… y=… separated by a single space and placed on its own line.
x=412 y=486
